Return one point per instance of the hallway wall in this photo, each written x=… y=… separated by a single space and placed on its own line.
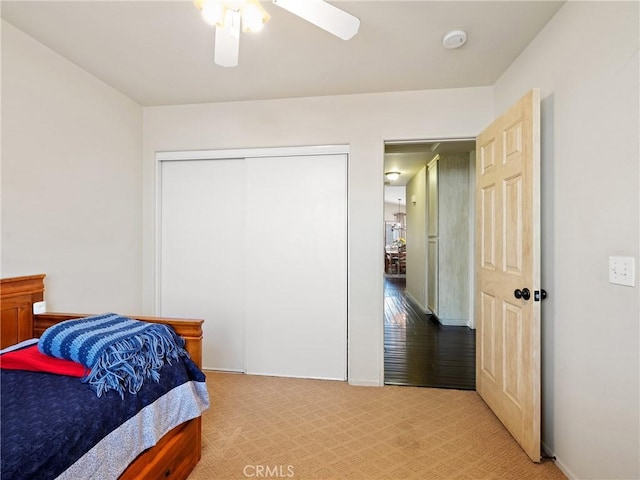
x=417 y=239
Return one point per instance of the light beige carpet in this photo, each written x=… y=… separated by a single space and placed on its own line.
x=269 y=427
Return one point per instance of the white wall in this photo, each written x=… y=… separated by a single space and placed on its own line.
x=417 y=238
x=362 y=121
x=71 y=176
x=586 y=63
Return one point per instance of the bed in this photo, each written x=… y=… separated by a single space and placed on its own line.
x=175 y=454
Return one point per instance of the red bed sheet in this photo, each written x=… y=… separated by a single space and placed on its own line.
x=31 y=359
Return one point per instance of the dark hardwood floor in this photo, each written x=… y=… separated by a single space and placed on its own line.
x=419 y=351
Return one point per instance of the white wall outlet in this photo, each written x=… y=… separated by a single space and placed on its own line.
x=622 y=271
x=39 y=307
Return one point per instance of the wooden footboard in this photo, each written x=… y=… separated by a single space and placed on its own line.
x=177 y=453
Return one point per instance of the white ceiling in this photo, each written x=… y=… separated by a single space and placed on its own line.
x=161 y=52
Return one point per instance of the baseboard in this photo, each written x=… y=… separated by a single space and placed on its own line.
x=364 y=383
x=417 y=303
x=454 y=322
x=221 y=370
x=558 y=462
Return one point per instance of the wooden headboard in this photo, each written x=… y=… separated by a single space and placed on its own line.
x=18 y=294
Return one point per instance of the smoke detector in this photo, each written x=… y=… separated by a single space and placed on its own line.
x=454 y=39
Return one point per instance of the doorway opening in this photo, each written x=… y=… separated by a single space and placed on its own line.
x=429 y=330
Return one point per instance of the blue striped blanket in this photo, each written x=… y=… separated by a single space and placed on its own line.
x=120 y=352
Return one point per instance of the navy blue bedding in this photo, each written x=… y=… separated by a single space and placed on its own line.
x=49 y=421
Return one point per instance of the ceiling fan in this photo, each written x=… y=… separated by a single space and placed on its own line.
x=230 y=16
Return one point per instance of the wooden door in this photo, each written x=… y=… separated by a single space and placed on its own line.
x=507 y=263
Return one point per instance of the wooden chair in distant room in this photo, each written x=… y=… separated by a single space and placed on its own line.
x=402 y=262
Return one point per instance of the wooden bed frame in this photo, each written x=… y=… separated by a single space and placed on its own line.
x=178 y=452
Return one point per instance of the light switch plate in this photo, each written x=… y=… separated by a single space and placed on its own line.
x=39 y=307
x=622 y=271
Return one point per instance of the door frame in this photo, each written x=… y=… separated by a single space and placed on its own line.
x=242 y=153
x=472 y=252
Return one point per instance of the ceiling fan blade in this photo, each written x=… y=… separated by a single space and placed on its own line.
x=323 y=15
x=227 y=46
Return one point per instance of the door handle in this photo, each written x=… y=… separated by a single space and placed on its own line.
x=525 y=294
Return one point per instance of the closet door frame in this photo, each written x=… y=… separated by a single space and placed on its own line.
x=241 y=154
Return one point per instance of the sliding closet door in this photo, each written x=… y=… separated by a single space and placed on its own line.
x=202 y=253
x=296 y=266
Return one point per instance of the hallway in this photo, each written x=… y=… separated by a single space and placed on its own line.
x=418 y=351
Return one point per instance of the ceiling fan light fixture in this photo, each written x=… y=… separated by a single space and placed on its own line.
x=212 y=11
x=253 y=16
x=232 y=16
x=216 y=12
x=392 y=176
